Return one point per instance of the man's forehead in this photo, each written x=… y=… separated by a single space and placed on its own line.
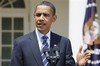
x=43 y=9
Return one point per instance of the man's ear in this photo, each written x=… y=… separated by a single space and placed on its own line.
x=54 y=18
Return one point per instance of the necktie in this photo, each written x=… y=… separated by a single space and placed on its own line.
x=44 y=60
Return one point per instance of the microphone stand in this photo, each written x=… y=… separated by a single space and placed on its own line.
x=53 y=60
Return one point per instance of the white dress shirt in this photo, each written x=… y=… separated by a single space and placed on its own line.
x=39 y=35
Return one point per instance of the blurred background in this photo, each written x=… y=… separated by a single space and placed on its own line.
x=16 y=19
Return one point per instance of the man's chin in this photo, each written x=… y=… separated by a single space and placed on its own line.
x=40 y=30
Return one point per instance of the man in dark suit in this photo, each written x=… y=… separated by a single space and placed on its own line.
x=27 y=48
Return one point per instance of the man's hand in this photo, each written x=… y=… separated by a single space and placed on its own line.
x=82 y=58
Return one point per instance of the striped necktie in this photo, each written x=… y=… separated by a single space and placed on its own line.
x=44 y=60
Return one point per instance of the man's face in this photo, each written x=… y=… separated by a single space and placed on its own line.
x=43 y=18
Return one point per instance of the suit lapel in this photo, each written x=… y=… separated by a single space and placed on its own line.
x=55 y=39
x=35 y=49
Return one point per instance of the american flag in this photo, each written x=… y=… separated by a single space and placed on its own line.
x=90 y=17
x=90 y=34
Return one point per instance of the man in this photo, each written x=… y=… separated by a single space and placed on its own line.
x=27 y=48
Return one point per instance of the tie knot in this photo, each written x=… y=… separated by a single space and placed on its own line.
x=44 y=38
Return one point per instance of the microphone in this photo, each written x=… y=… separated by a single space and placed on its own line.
x=46 y=52
x=56 y=51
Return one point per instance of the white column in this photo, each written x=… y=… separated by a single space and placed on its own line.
x=76 y=19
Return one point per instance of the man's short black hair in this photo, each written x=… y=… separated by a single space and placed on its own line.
x=47 y=3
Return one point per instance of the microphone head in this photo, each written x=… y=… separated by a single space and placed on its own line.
x=56 y=48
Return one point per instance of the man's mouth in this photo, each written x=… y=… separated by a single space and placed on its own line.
x=42 y=23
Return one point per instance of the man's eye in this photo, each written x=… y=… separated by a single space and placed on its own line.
x=38 y=15
x=46 y=15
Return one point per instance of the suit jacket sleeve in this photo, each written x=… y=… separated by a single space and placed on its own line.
x=69 y=55
x=16 y=59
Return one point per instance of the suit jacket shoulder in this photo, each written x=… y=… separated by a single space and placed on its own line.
x=58 y=37
x=25 y=37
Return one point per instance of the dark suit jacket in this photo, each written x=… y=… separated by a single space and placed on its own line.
x=26 y=51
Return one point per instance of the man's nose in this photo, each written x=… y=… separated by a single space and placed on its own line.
x=42 y=17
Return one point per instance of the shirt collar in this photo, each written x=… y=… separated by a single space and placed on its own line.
x=40 y=34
